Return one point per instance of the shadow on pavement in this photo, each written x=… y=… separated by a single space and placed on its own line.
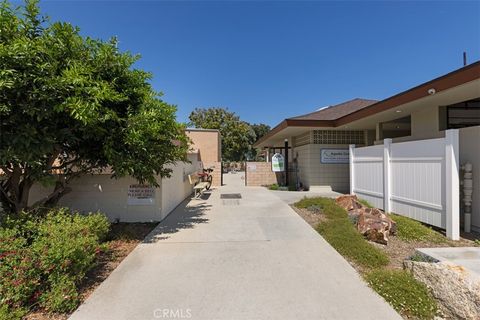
x=185 y=216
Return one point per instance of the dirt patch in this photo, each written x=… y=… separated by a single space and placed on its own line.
x=397 y=249
x=312 y=218
x=122 y=239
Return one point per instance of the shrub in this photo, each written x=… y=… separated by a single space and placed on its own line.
x=67 y=244
x=19 y=275
x=412 y=230
x=407 y=295
x=42 y=259
x=273 y=186
x=7 y=313
x=342 y=235
x=62 y=296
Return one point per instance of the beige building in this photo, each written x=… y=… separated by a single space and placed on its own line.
x=127 y=201
x=423 y=112
x=208 y=143
x=319 y=141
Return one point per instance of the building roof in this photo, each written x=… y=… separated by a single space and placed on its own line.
x=357 y=109
x=337 y=111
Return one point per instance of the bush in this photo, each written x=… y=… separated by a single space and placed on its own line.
x=412 y=230
x=62 y=296
x=7 y=313
x=42 y=259
x=273 y=186
x=342 y=234
x=407 y=295
x=68 y=243
x=19 y=273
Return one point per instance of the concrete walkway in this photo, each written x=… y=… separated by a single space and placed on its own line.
x=248 y=258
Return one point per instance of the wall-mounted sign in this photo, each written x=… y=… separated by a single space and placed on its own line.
x=252 y=167
x=278 y=163
x=141 y=195
x=334 y=156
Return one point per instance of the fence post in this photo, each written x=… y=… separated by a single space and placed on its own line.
x=452 y=184
x=351 y=150
x=386 y=175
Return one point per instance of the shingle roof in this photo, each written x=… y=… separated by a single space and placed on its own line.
x=336 y=111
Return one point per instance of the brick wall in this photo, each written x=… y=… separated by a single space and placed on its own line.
x=260 y=174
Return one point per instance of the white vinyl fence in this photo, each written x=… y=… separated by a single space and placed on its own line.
x=418 y=179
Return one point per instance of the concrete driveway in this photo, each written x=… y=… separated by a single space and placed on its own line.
x=248 y=258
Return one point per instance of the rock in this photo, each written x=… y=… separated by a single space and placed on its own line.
x=375 y=226
x=348 y=202
x=373 y=223
x=456 y=289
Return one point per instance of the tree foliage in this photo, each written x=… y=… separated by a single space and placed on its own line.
x=260 y=129
x=76 y=105
x=237 y=135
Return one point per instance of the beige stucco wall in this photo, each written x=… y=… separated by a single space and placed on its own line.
x=470 y=151
x=425 y=123
x=302 y=153
x=99 y=192
x=176 y=188
x=313 y=173
x=208 y=142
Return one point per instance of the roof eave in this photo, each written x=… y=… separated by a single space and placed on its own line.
x=294 y=123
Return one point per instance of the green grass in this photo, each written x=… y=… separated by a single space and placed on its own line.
x=406 y=295
x=412 y=230
x=273 y=187
x=339 y=231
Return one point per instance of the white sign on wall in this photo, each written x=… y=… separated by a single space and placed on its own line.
x=278 y=163
x=141 y=195
x=334 y=156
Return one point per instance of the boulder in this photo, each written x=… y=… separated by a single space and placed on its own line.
x=373 y=223
x=348 y=202
x=456 y=289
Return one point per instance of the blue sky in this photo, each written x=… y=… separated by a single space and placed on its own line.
x=268 y=60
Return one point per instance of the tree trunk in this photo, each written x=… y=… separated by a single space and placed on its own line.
x=15 y=193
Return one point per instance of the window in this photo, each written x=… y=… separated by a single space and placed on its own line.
x=338 y=137
x=464 y=114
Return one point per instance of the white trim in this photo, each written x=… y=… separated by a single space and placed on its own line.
x=452 y=182
x=370 y=193
x=417 y=202
x=386 y=175
x=436 y=159
x=351 y=150
x=368 y=159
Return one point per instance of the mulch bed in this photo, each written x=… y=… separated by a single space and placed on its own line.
x=397 y=249
x=123 y=238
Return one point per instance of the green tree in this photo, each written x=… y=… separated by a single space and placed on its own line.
x=237 y=135
x=260 y=129
x=75 y=105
